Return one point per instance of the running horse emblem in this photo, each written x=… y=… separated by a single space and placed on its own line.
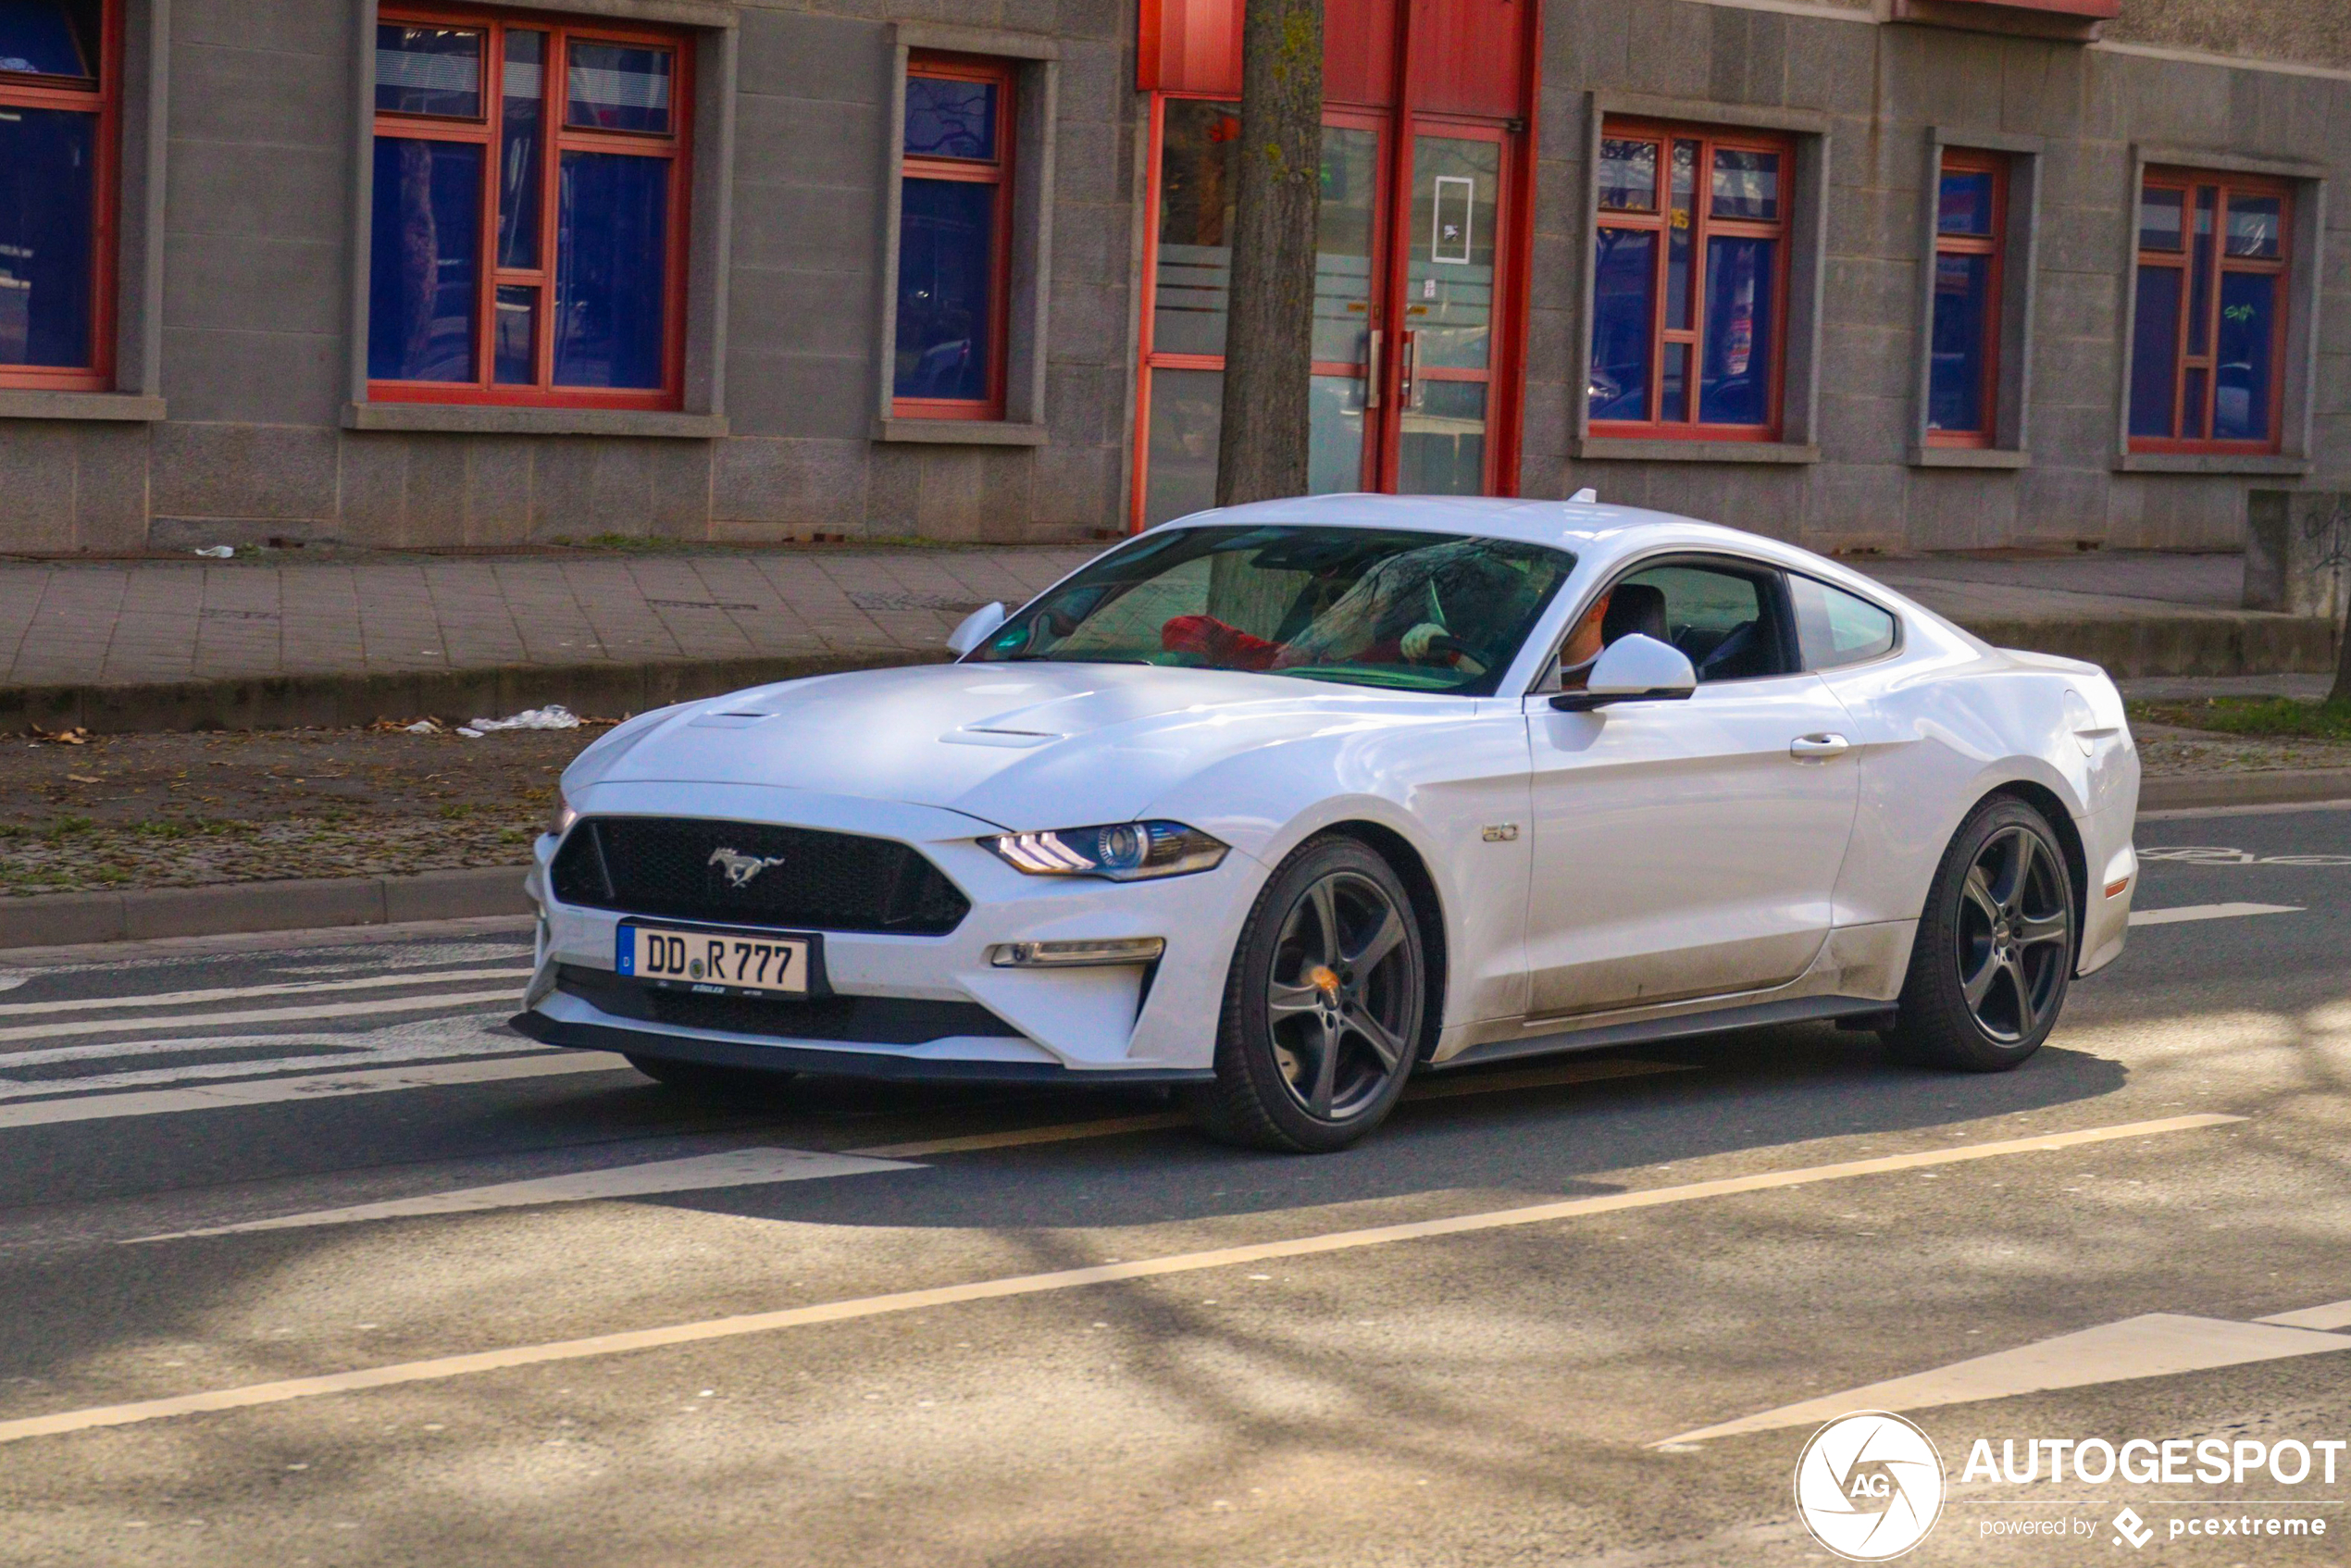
x=740 y=868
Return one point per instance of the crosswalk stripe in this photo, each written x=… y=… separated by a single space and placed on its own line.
x=254 y=1015
x=467 y=1364
x=233 y=993
x=699 y=1172
x=316 y=1085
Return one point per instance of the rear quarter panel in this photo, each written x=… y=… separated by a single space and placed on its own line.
x=1943 y=726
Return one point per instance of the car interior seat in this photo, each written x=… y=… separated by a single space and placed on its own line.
x=1634 y=606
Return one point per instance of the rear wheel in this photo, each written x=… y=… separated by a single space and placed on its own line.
x=704 y=1081
x=1323 y=1009
x=1993 y=953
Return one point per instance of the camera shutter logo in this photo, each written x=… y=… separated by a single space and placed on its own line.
x=1869 y=1486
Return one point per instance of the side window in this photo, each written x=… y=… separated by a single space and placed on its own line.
x=1835 y=628
x=1729 y=623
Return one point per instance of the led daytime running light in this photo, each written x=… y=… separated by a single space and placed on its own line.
x=1123 y=852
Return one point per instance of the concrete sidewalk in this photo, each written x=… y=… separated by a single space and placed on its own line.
x=277 y=642
x=154 y=645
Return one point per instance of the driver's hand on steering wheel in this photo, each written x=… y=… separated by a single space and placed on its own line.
x=1416 y=643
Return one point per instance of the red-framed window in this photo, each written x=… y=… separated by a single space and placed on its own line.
x=954 y=239
x=1689 y=294
x=1971 y=232
x=2207 y=354
x=531 y=186
x=60 y=99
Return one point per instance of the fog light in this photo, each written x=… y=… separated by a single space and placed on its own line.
x=1072 y=955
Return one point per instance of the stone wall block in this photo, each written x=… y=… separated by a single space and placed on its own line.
x=281 y=473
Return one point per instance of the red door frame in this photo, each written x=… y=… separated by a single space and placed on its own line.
x=1388 y=446
x=1398 y=122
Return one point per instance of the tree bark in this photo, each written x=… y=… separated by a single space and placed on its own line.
x=2342 y=692
x=1269 y=334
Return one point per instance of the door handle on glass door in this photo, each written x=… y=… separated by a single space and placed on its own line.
x=1805 y=747
x=1408 y=363
x=1371 y=371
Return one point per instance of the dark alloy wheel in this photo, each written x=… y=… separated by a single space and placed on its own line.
x=1323 y=1010
x=704 y=1081
x=1995 y=948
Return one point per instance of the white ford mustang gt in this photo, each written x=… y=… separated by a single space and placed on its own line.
x=1285 y=802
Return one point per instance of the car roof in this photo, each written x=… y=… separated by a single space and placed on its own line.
x=1587 y=526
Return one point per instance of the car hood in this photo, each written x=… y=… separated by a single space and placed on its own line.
x=1019 y=745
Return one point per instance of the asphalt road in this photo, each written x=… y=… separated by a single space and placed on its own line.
x=1057 y=1329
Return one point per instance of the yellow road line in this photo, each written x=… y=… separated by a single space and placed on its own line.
x=1065 y=1279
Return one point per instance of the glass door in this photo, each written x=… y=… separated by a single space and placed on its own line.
x=1347 y=314
x=1449 y=290
x=1191 y=276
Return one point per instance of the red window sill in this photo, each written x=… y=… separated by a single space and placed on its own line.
x=1621 y=431
x=28 y=378
x=943 y=408
x=520 y=397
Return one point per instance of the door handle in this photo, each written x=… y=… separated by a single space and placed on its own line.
x=1408 y=362
x=1806 y=748
x=1371 y=372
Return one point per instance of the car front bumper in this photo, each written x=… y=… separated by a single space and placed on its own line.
x=1134 y=1022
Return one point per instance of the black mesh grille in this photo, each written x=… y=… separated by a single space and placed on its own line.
x=865 y=1020
x=821 y=881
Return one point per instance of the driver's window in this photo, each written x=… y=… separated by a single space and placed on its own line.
x=1728 y=622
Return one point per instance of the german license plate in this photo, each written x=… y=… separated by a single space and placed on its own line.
x=772 y=965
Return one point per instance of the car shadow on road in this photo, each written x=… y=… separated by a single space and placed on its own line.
x=1729 y=1095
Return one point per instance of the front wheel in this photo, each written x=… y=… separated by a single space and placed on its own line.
x=1995 y=948
x=1323 y=1009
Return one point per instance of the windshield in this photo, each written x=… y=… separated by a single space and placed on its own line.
x=1421 y=612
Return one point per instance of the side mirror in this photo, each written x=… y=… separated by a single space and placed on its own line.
x=1633 y=668
x=973 y=628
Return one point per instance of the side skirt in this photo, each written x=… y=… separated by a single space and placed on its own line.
x=1794 y=1010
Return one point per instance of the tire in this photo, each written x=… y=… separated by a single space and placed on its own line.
x=1994 y=949
x=704 y=1081
x=1324 y=1008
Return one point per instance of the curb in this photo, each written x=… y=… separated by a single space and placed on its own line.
x=72 y=919
x=347 y=701
x=2282 y=787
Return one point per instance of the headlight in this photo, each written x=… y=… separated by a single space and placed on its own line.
x=559 y=820
x=1125 y=851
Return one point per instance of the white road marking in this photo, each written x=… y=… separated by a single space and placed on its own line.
x=2335 y=1314
x=318 y=1086
x=2152 y=1345
x=233 y=993
x=2209 y=912
x=738 y=1167
x=1065 y=1279
x=259 y=1016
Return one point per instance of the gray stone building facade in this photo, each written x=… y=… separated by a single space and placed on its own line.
x=236 y=389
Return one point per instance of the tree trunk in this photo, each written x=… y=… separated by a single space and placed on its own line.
x=1269 y=334
x=2342 y=692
